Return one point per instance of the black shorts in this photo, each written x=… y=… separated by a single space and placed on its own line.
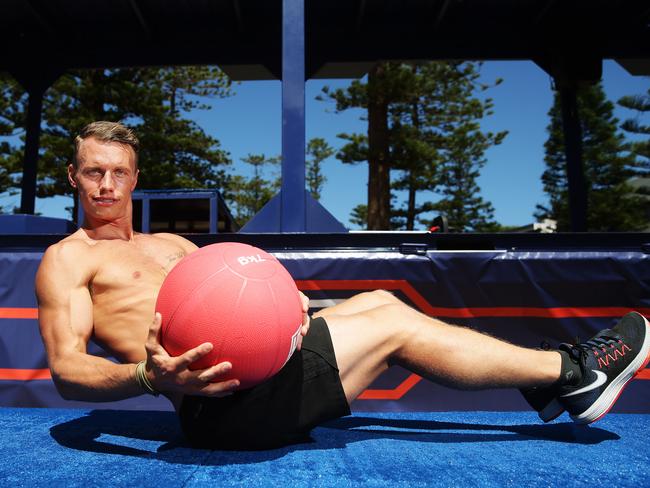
x=282 y=410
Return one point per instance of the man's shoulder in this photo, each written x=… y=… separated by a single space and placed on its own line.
x=77 y=239
x=72 y=248
x=168 y=236
x=69 y=260
x=186 y=244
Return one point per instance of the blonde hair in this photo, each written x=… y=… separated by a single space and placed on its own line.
x=105 y=131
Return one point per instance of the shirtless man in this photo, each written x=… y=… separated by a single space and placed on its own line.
x=102 y=281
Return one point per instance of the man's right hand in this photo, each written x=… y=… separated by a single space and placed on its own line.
x=172 y=374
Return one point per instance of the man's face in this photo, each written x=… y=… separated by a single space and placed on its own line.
x=105 y=178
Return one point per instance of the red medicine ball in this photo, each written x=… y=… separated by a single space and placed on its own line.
x=239 y=298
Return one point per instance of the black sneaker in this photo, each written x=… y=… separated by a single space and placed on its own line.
x=608 y=362
x=544 y=400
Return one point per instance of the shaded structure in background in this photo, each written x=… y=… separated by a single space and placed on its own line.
x=294 y=40
x=181 y=211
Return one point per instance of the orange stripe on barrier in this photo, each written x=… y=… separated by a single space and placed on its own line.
x=18 y=313
x=350 y=284
x=644 y=374
x=25 y=374
x=531 y=312
x=394 y=394
x=467 y=312
x=423 y=304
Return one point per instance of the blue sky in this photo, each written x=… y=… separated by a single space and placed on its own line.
x=250 y=122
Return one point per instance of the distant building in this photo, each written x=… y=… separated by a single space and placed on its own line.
x=182 y=211
x=546 y=226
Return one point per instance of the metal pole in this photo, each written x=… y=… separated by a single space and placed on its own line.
x=30 y=163
x=146 y=214
x=573 y=150
x=293 y=208
x=214 y=215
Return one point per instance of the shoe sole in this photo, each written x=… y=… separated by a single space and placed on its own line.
x=551 y=411
x=606 y=400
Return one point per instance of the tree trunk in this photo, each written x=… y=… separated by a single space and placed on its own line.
x=410 y=209
x=378 y=164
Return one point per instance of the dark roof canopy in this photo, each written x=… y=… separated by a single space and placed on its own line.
x=55 y=35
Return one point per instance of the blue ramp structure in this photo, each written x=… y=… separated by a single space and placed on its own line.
x=34 y=224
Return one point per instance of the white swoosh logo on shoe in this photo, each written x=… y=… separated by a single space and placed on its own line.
x=601 y=378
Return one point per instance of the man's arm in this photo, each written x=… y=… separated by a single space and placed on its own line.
x=65 y=312
x=304 y=301
x=66 y=322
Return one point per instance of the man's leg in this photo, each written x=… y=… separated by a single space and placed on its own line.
x=360 y=303
x=373 y=331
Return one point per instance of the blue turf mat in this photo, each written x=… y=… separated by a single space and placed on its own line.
x=49 y=447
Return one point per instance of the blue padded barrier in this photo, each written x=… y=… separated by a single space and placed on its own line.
x=523 y=296
x=34 y=224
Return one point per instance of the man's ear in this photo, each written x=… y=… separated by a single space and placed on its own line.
x=71 y=173
x=135 y=179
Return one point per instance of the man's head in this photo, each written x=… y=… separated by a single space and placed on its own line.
x=105 y=131
x=105 y=170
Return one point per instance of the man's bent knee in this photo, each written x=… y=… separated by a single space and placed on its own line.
x=396 y=321
x=385 y=296
x=378 y=298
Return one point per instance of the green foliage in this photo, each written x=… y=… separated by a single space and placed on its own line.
x=354 y=151
x=429 y=141
x=416 y=140
x=612 y=205
x=444 y=145
x=318 y=150
x=249 y=195
x=641 y=147
x=175 y=151
x=385 y=85
x=359 y=216
x=13 y=104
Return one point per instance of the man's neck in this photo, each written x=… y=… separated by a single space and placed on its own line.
x=108 y=230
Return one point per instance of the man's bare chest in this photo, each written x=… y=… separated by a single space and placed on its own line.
x=125 y=266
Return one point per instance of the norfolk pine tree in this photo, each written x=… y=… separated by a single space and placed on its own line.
x=13 y=106
x=415 y=143
x=383 y=87
x=249 y=195
x=444 y=145
x=612 y=205
x=175 y=153
x=463 y=151
x=318 y=150
x=424 y=105
x=640 y=147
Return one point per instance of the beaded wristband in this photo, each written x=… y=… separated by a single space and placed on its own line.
x=143 y=381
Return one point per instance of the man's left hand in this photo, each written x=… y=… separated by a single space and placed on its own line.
x=305 y=318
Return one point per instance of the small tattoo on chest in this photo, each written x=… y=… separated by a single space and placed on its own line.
x=173 y=257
